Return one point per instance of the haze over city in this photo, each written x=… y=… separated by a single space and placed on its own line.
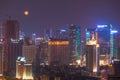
x=60 y=13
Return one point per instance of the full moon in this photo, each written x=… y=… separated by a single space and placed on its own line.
x=26 y=13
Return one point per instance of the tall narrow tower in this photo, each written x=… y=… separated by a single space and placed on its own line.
x=12 y=45
x=92 y=55
x=75 y=40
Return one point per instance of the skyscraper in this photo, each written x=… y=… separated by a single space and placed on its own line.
x=48 y=34
x=103 y=33
x=61 y=34
x=89 y=33
x=106 y=39
x=92 y=55
x=12 y=44
x=58 y=52
x=75 y=40
x=10 y=30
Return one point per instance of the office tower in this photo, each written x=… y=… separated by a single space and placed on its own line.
x=12 y=45
x=29 y=53
x=92 y=55
x=10 y=29
x=33 y=36
x=58 y=52
x=13 y=49
x=103 y=33
x=104 y=38
x=75 y=40
x=89 y=32
x=48 y=33
x=43 y=52
x=61 y=34
x=21 y=35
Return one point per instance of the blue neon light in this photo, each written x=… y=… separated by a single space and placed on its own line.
x=114 y=31
x=101 y=26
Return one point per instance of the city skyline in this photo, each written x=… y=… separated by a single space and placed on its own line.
x=59 y=14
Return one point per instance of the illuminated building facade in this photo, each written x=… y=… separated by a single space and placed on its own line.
x=29 y=52
x=89 y=34
x=48 y=33
x=12 y=45
x=58 y=52
x=21 y=35
x=61 y=34
x=38 y=40
x=104 y=38
x=24 y=69
x=75 y=40
x=33 y=38
x=92 y=55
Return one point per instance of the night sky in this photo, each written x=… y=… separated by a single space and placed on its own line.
x=59 y=14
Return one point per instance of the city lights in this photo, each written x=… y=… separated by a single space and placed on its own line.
x=59 y=40
x=62 y=30
x=21 y=59
x=102 y=26
x=58 y=43
x=114 y=31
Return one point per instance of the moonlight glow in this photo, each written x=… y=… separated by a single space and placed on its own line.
x=26 y=13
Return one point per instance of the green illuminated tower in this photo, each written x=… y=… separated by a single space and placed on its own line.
x=75 y=40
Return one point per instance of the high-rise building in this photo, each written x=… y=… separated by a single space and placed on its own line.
x=117 y=47
x=106 y=39
x=61 y=34
x=89 y=34
x=10 y=29
x=26 y=65
x=75 y=40
x=44 y=52
x=92 y=55
x=103 y=33
x=21 y=35
x=1 y=59
x=29 y=52
x=48 y=33
x=38 y=40
x=12 y=44
x=58 y=52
